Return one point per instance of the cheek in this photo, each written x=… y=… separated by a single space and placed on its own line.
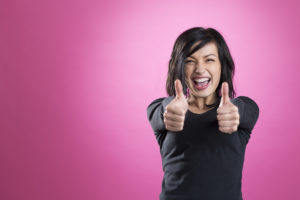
x=216 y=75
x=217 y=72
x=187 y=71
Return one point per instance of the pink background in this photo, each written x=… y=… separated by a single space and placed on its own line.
x=76 y=78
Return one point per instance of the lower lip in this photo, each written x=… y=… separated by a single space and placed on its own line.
x=202 y=86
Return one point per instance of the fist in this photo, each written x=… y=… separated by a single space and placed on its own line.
x=227 y=113
x=175 y=111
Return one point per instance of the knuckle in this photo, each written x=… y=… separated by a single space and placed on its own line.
x=182 y=112
x=236 y=115
x=235 y=108
x=182 y=118
x=166 y=116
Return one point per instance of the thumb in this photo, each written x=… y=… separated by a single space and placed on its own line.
x=178 y=89
x=225 y=94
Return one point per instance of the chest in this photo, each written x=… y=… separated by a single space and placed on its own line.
x=201 y=134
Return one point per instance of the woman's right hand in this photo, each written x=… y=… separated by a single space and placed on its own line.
x=175 y=111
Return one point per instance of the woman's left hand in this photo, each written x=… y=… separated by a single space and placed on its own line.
x=228 y=114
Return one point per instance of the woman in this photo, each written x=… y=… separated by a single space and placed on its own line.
x=202 y=130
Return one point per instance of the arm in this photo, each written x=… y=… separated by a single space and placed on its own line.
x=248 y=111
x=155 y=116
x=155 y=113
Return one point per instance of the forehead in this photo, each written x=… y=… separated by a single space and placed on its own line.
x=209 y=48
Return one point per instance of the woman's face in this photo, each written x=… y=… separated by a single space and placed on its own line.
x=203 y=71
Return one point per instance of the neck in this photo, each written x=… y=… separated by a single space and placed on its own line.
x=200 y=103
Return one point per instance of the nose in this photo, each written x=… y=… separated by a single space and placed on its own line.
x=200 y=68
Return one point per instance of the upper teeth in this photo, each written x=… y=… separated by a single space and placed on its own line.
x=201 y=80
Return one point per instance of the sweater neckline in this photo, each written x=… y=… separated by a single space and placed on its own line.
x=203 y=114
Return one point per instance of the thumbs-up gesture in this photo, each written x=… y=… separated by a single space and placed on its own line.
x=175 y=111
x=227 y=113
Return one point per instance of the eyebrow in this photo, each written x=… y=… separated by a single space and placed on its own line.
x=205 y=56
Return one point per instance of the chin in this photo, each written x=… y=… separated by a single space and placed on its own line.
x=202 y=95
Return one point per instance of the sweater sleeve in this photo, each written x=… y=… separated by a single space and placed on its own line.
x=155 y=113
x=248 y=111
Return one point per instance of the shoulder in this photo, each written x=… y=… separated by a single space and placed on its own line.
x=158 y=105
x=161 y=101
x=247 y=100
x=246 y=104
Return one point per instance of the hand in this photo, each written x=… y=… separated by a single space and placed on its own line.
x=175 y=111
x=228 y=114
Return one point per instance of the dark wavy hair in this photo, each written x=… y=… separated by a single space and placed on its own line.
x=182 y=50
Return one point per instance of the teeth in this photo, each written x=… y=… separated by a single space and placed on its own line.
x=201 y=80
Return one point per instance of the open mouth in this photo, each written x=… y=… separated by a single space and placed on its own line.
x=201 y=83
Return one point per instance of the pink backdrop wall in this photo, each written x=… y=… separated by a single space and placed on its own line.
x=76 y=78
